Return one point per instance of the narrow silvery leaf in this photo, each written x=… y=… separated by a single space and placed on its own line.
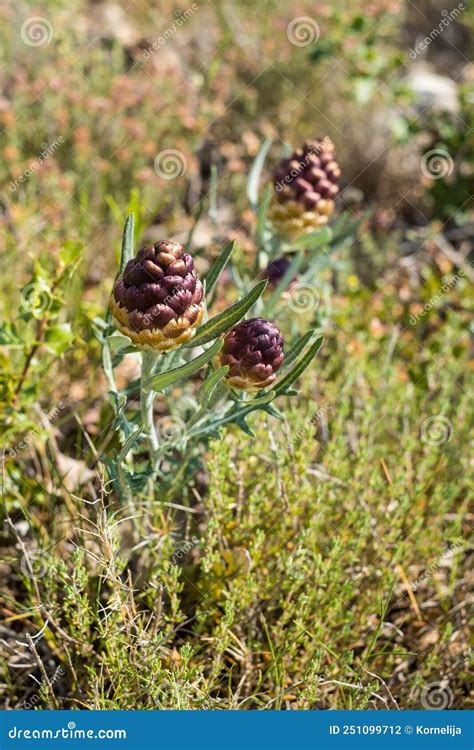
x=129 y=443
x=255 y=172
x=117 y=342
x=265 y=399
x=212 y=276
x=314 y=239
x=213 y=380
x=295 y=350
x=299 y=368
x=164 y=379
x=225 y=320
x=127 y=241
x=276 y=295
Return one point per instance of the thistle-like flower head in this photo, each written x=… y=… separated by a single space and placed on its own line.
x=253 y=350
x=305 y=185
x=158 y=299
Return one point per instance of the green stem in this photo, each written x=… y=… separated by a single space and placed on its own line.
x=146 y=401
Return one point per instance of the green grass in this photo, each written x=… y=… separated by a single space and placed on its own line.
x=282 y=579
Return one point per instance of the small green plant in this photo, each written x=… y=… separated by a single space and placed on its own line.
x=157 y=305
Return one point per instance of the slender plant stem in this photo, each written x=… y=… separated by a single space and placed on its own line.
x=146 y=401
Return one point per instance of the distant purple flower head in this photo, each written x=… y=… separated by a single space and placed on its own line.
x=276 y=270
x=253 y=350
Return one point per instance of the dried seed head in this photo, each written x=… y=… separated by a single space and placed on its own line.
x=158 y=299
x=305 y=186
x=253 y=350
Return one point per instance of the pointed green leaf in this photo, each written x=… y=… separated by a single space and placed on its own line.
x=273 y=411
x=127 y=241
x=299 y=367
x=117 y=342
x=262 y=218
x=225 y=320
x=129 y=443
x=297 y=347
x=313 y=239
x=163 y=380
x=255 y=172
x=241 y=422
x=211 y=382
x=265 y=399
x=212 y=276
x=275 y=297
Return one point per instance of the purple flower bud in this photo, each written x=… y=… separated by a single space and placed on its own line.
x=158 y=299
x=253 y=350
